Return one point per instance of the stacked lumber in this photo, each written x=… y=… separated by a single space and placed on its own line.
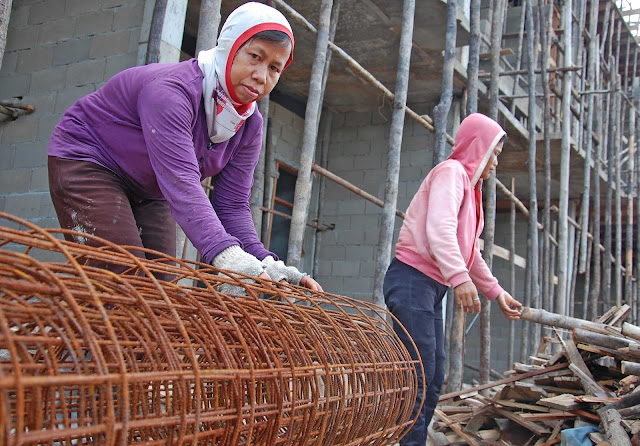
x=582 y=381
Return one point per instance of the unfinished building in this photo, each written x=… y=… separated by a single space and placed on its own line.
x=353 y=128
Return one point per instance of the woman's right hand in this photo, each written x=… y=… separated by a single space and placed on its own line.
x=467 y=297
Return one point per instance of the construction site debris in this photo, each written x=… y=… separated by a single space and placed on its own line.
x=584 y=384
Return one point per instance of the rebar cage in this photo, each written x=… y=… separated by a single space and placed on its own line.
x=156 y=354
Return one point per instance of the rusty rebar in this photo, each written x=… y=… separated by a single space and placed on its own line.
x=88 y=356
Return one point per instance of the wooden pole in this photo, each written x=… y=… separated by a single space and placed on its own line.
x=629 y=222
x=324 y=153
x=565 y=159
x=441 y=111
x=5 y=12
x=521 y=50
x=256 y=200
x=302 y=194
x=512 y=282
x=606 y=283
x=383 y=252
x=540 y=316
x=605 y=24
x=618 y=198
x=208 y=24
x=497 y=18
x=587 y=278
x=474 y=57
x=533 y=190
x=594 y=294
x=545 y=11
x=155 y=33
x=572 y=260
x=612 y=423
x=586 y=193
x=457 y=320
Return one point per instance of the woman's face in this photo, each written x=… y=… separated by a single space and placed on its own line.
x=256 y=68
x=493 y=162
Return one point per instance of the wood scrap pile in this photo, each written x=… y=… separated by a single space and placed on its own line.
x=582 y=385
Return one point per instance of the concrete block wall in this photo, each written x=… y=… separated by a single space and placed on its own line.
x=56 y=52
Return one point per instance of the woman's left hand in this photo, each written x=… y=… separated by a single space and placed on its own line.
x=509 y=306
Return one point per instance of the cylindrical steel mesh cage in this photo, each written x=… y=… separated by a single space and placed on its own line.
x=157 y=355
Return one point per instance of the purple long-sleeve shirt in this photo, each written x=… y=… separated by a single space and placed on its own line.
x=148 y=126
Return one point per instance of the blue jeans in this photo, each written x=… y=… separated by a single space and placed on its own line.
x=416 y=300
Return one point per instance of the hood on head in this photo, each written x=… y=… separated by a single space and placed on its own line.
x=476 y=139
x=243 y=23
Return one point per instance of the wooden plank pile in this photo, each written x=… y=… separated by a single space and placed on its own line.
x=587 y=376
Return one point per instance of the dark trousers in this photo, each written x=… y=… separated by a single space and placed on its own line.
x=93 y=200
x=416 y=300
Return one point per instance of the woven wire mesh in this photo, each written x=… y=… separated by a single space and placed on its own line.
x=88 y=356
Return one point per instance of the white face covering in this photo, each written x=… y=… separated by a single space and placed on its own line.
x=223 y=118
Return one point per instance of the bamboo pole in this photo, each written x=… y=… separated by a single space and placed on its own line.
x=441 y=111
x=497 y=19
x=383 y=252
x=310 y=134
x=565 y=159
x=208 y=24
x=586 y=193
x=533 y=192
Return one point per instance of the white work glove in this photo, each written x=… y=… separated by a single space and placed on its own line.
x=234 y=258
x=277 y=270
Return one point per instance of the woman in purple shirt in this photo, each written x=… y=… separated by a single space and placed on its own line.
x=127 y=157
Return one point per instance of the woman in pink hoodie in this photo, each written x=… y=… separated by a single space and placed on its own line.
x=438 y=248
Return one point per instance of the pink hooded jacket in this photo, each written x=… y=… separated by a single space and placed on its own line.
x=443 y=223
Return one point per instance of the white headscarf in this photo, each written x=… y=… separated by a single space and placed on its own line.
x=220 y=100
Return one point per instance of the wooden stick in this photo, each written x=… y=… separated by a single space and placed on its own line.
x=456 y=428
x=518 y=377
x=611 y=421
